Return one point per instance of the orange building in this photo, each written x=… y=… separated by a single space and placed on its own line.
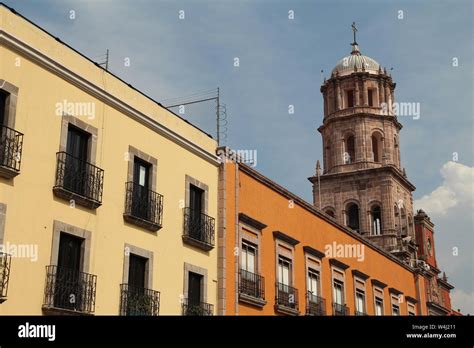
x=280 y=255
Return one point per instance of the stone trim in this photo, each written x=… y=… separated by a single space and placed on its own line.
x=338 y=264
x=286 y=238
x=134 y=152
x=11 y=102
x=251 y=222
x=62 y=227
x=132 y=249
x=360 y=275
x=411 y=299
x=199 y=270
x=66 y=120
x=191 y=181
x=3 y=217
x=316 y=253
x=395 y=291
x=378 y=283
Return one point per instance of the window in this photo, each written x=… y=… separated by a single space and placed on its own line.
x=378 y=306
x=195 y=291
x=395 y=305
x=349 y=155
x=353 y=216
x=403 y=223
x=3 y=106
x=141 y=183
x=350 y=98
x=360 y=301
x=249 y=257
x=411 y=309
x=330 y=212
x=376 y=215
x=376 y=141
x=284 y=271
x=370 y=93
x=313 y=282
x=338 y=292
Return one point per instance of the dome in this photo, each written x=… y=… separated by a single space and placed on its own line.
x=356 y=60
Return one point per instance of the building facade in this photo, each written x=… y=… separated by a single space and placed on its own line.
x=279 y=255
x=108 y=200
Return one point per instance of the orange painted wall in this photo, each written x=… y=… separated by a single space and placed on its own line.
x=271 y=208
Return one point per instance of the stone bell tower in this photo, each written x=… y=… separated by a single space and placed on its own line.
x=363 y=184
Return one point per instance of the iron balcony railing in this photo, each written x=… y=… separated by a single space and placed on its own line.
x=315 y=305
x=69 y=289
x=79 y=177
x=197 y=308
x=199 y=227
x=251 y=284
x=143 y=206
x=11 y=145
x=5 y=260
x=339 y=309
x=139 y=301
x=286 y=296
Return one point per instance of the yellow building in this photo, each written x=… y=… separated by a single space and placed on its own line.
x=107 y=199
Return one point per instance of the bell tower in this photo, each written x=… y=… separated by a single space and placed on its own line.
x=363 y=184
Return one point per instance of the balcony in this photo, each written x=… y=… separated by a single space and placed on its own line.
x=143 y=207
x=286 y=300
x=252 y=288
x=5 y=260
x=69 y=292
x=197 y=308
x=315 y=305
x=79 y=181
x=339 y=309
x=198 y=229
x=11 y=144
x=139 y=301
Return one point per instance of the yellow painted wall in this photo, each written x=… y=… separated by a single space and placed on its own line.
x=32 y=207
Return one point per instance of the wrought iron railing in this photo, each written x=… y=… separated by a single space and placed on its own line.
x=139 y=301
x=5 y=260
x=197 y=308
x=199 y=227
x=79 y=177
x=143 y=204
x=286 y=296
x=315 y=305
x=339 y=309
x=70 y=289
x=251 y=284
x=11 y=145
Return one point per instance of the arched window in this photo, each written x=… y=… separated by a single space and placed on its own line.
x=376 y=220
x=353 y=216
x=396 y=213
x=403 y=222
x=330 y=212
x=377 y=147
x=349 y=155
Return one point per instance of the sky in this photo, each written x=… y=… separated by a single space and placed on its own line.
x=170 y=49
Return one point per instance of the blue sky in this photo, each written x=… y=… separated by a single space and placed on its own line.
x=280 y=65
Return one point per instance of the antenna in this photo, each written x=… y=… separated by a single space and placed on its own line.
x=200 y=97
x=106 y=61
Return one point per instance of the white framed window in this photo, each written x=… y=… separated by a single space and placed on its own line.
x=378 y=306
x=338 y=292
x=284 y=271
x=360 y=301
x=249 y=257
x=313 y=282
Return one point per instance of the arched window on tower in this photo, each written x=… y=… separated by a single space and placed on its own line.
x=352 y=210
x=396 y=213
x=403 y=222
x=410 y=225
x=350 y=98
x=377 y=147
x=376 y=220
x=330 y=212
x=349 y=147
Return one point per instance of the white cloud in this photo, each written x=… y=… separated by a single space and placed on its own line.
x=457 y=189
x=463 y=300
